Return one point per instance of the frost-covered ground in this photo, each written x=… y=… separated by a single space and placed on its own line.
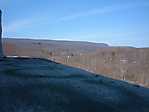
x=38 y=85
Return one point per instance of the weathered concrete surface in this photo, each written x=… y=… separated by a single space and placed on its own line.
x=36 y=85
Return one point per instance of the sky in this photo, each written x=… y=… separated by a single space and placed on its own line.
x=115 y=22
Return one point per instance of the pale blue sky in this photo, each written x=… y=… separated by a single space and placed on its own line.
x=116 y=22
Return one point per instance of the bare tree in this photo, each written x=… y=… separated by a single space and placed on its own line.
x=1 y=50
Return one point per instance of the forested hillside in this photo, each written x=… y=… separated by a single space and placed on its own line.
x=125 y=63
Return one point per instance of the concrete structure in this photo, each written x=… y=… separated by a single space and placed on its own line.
x=1 y=49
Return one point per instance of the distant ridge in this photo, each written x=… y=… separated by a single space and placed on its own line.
x=65 y=42
x=77 y=46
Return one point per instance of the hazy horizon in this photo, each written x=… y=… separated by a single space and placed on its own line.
x=114 y=22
